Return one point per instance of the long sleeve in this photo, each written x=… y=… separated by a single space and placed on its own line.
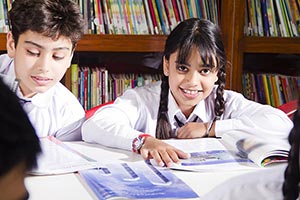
x=133 y=113
x=253 y=118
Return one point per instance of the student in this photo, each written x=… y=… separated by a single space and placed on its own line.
x=40 y=45
x=19 y=146
x=276 y=183
x=292 y=172
x=189 y=102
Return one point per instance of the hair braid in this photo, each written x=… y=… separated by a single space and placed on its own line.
x=219 y=101
x=163 y=127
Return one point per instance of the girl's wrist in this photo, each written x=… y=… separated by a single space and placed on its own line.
x=138 y=142
x=209 y=127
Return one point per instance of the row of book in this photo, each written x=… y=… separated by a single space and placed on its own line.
x=272 y=89
x=134 y=16
x=144 y=16
x=95 y=85
x=5 y=6
x=272 y=18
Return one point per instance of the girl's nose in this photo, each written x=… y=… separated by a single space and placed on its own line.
x=193 y=77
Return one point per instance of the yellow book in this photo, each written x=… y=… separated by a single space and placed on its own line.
x=274 y=90
x=74 y=79
x=266 y=89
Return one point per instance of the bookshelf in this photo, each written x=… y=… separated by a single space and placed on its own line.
x=135 y=46
x=268 y=54
x=239 y=48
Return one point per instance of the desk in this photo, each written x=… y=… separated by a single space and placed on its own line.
x=69 y=186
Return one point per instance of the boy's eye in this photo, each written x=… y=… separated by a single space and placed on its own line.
x=58 y=57
x=33 y=53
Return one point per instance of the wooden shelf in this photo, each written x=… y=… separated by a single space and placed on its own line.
x=122 y=43
x=113 y=43
x=281 y=45
x=2 y=41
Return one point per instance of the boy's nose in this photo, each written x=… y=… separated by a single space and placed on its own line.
x=43 y=65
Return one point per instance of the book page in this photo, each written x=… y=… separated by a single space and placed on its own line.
x=135 y=180
x=209 y=154
x=262 y=151
x=58 y=158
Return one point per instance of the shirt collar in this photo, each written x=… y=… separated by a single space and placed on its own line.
x=173 y=109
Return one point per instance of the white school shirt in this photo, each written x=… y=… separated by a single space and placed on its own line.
x=264 y=184
x=55 y=112
x=135 y=112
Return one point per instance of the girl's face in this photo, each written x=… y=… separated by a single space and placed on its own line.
x=189 y=82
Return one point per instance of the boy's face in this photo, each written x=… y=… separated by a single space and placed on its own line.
x=189 y=82
x=12 y=185
x=40 y=62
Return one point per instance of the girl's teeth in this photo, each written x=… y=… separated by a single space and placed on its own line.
x=191 y=91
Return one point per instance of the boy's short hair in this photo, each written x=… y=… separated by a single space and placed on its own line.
x=18 y=140
x=52 y=18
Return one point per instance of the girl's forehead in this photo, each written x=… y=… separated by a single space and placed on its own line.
x=194 y=54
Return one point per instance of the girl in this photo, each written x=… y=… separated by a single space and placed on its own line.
x=191 y=98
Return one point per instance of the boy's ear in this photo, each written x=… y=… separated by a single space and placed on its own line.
x=10 y=44
x=71 y=57
x=166 y=66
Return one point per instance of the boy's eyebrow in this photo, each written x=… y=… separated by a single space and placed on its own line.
x=41 y=47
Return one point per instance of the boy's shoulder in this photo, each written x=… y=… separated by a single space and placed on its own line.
x=62 y=92
x=5 y=63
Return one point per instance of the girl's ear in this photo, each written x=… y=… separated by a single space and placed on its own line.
x=166 y=67
x=10 y=44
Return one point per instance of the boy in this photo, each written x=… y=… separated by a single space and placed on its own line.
x=19 y=146
x=40 y=46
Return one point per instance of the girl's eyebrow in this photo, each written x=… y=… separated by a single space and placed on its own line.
x=182 y=63
x=42 y=47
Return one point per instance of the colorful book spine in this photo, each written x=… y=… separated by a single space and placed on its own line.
x=74 y=79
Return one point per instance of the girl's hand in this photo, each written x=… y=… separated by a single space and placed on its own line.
x=192 y=130
x=161 y=152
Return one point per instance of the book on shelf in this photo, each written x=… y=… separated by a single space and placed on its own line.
x=272 y=89
x=58 y=157
x=135 y=180
x=234 y=151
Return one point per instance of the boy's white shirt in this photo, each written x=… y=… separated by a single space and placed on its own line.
x=55 y=112
x=135 y=112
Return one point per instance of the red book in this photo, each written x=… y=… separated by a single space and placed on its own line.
x=153 y=16
x=175 y=7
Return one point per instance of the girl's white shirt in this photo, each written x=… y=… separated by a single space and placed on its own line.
x=135 y=112
x=55 y=112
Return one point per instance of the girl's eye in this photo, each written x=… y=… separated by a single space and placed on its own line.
x=205 y=71
x=182 y=68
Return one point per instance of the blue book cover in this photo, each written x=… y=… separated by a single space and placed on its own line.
x=135 y=180
x=160 y=14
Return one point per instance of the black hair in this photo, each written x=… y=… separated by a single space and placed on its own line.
x=52 y=18
x=206 y=37
x=292 y=174
x=18 y=140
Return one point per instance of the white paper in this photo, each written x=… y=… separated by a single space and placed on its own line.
x=58 y=158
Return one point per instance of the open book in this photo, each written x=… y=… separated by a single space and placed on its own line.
x=135 y=180
x=234 y=151
x=58 y=158
x=262 y=151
